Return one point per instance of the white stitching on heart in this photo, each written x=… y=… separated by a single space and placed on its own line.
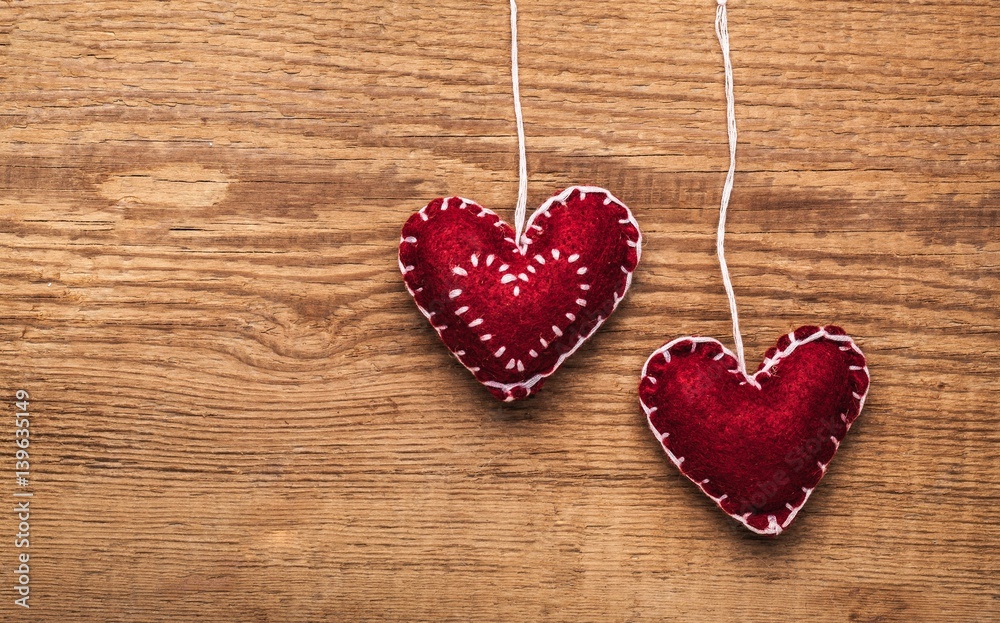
x=773 y=528
x=543 y=210
x=509 y=278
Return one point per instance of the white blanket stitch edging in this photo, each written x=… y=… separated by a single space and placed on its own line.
x=525 y=241
x=773 y=527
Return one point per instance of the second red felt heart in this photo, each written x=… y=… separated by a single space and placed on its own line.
x=512 y=313
x=757 y=445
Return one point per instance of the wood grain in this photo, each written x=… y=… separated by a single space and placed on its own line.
x=238 y=413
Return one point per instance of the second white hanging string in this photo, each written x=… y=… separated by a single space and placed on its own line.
x=722 y=32
x=522 y=168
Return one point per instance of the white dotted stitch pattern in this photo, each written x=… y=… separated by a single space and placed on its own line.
x=773 y=527
x=515 y=281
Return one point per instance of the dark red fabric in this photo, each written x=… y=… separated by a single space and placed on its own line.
x=512 y=316
x=758 y=452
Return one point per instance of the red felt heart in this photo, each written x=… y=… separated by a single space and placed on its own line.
x=512 y=314
x=756 y=445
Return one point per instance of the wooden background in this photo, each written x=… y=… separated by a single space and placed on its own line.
x=239 y=415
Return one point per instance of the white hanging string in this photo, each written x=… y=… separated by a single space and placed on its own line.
x=722 y=32
x=522 y=168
